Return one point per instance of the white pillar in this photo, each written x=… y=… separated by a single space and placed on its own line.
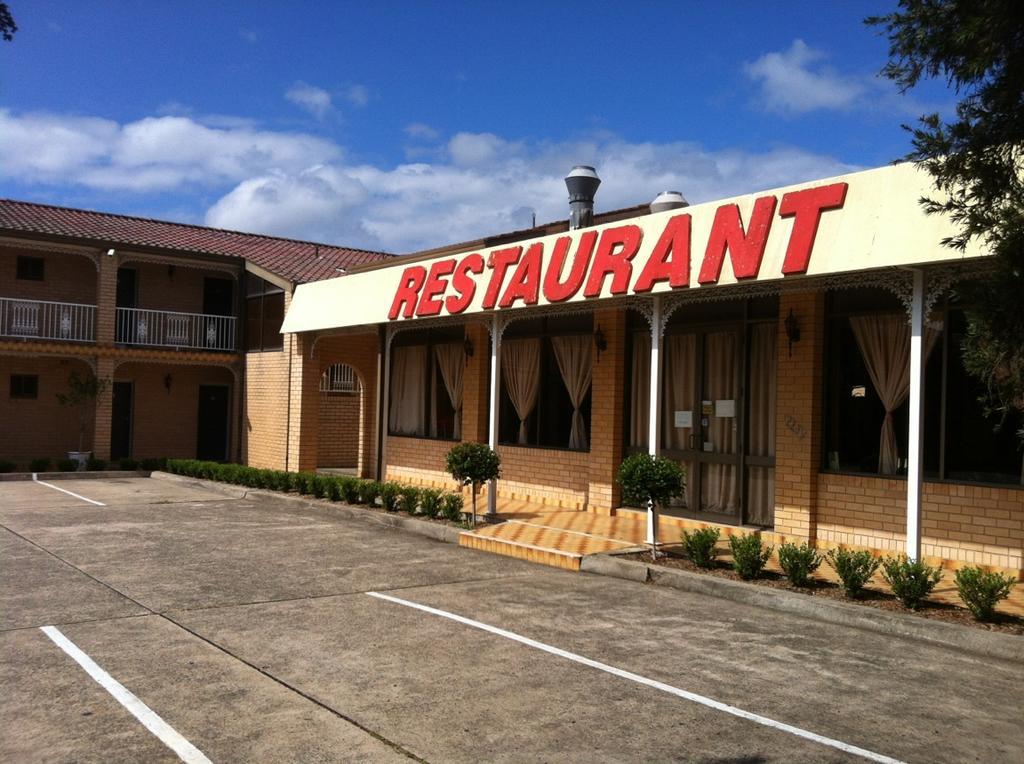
x=915 y=438
x=492 y=430
x=385 y=404
x=654 y=414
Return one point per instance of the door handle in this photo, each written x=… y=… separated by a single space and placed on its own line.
x=693 y=441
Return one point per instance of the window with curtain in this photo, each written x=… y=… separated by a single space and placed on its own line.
x=425 y=392
x=867 y=386
x=264 y=314
x=546 y=379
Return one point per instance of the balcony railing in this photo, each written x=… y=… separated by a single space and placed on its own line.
x=161 y=328
x=42 y=320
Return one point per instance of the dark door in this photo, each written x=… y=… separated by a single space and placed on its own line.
x=218 y=303
x=212 y=429
x=121 y=421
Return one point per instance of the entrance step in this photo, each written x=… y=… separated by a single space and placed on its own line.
x=553 y=557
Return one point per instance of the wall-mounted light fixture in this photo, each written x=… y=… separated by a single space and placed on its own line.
x=600 y=342
x=167 y=383
x=467 y=347
x=792 y=330
x=110 y=252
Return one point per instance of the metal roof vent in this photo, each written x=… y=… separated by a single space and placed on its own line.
x=668 y=200
x=582 y=182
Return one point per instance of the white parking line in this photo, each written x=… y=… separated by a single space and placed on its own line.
x=150 y=720
x=686 y=695
x=65 y=490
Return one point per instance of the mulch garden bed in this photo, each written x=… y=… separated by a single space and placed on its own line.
x=937 y=611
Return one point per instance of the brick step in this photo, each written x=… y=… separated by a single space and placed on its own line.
x=544 y=556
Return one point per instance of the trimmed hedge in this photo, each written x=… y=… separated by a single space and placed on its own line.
x=350 y=490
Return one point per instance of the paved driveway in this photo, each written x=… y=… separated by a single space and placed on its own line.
x=247 y=630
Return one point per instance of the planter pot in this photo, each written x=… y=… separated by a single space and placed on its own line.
x=81 y=457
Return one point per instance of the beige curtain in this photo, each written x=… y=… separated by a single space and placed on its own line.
x=575 y=362
x=451 y=360
x=520 y=367
x=640 y=398
x=718 y=487
x=679 y=393
x=407 y=409
x=761 y=480
x=884 y=342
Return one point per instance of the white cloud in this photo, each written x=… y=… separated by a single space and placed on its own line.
x=316 y=101
x=301 y=186
x=420 y=131
x=357 y=95
x=794 y=81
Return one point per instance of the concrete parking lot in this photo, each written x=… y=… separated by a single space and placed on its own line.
x=250 y=628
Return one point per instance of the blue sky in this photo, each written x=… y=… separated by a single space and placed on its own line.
x=402 y=125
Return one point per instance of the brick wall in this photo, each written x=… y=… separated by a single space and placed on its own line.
x=607 y=412
x=173 y=287
x=419 y=461
x=66 y=277
x=265 y=419
x=360 y=352
x=547 y=476
x=39 y=427
x=338 y=444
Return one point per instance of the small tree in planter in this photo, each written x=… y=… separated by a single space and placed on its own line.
x=473 y=464
x=81 y=395
x=653 y=481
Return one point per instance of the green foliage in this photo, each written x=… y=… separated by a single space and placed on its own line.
x=389 y=493
x=911 y=582
x=650 y=478
x=41 y=464
x=96 y=465
x=473 y=463
x=369 y=490
x=748 y=555
x=430 y=502
x=451 y=507
x=854 y=569
x=321 y=486
x=975 y=160
x=7 y=25
x=81 y=395
x=982 y=590
x=798 y=561
x=349 y=490
x=65 y=465
x=153 y=464
x=409 y=499
x=7 y=466
x=700 y=546
x=129 y=465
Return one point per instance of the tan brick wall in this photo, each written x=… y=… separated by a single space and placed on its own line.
x=419 y=461
x=42 y=427
x=66 y=277
x=476 y=401
x=173 y=287
x=607 y=412
x=548 y=476
x=338 y=444
x=360 y=352
x=265 y=427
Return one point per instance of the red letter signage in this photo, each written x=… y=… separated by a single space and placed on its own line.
x=525 y=283
x=408 y=292
x=745 y=248
x=430 y=304
x=464 y=284
x=617 y=247
x=560 y=291
x=670 y=259
x=499 y=261
x=805 y=207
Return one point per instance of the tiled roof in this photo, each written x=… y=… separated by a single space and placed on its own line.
x=297 y=261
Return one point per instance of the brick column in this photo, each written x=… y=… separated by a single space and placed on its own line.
x=476 y=392
x=798 y=426
x=606 y=414
x=106 y=298
x=104 y=408
x=304 y=410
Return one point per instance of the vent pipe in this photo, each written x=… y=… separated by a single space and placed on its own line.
x=668 y=200
x=582 y=182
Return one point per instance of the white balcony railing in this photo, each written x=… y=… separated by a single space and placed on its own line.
x=161 y=328
x=42 y=320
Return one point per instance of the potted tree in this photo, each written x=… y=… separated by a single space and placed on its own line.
x=651 y=481
x=81 y=395
x=473 y=464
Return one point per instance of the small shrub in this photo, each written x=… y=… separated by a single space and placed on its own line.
x=748 y=555
x=981 y=591
x=430 y=502
x=280 y=480
x=96 y=465
x=409 y=499
x=369 y=490
x=473 y=464
x=333 y=488
x=854 y=569
x=451 y=507
x=350 y=490
x=304 y=483
x=41 y=464
x=320 y=486
x=7 y=466
x=798 y=561
x=129 y=465
x=700 y=546
x=66 y=465
x=389 y=493
x=911 y=581
x=152 y=464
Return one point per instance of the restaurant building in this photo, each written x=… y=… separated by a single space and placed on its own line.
x=796 y=349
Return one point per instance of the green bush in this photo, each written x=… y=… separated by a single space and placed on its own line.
x=304 y=483
x=129 y=465
x=320 y=486
x=96 y=465
x=451 y=507
x=369 y=490
x=66 y=465
x=982 y=590
x=152 y=464
x=854 y=569
x=700 y=546
x=7 y=466
x=748 y=555
x=42 y=464
x=911 y=581
x=389 y=493
x=409 y=499
x=650 y=478
x=798 y=561
x=350 y=489
x=430 y=502
x=473 y=464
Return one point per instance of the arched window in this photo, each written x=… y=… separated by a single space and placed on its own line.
x=339 y=378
